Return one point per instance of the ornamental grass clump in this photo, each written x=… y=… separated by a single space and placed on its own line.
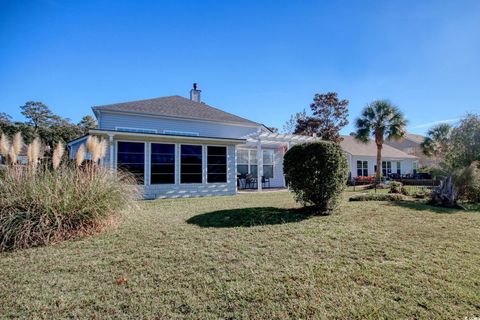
x=42 y=203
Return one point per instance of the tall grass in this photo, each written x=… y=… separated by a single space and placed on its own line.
x=41 y=204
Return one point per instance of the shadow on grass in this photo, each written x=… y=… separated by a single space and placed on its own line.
x=249 y=217
x=423 y=206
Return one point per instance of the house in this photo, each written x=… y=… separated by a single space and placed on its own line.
x=362 y=158
x=179 y=147
x=410 y=144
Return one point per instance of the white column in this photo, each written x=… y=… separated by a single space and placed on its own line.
x=110 y=142
x=284 y=182
x=259 y=165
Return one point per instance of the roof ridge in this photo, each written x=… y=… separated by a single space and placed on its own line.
x=175 y=106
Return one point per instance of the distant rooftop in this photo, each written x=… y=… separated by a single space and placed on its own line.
x=177 y=107
x=357 y=148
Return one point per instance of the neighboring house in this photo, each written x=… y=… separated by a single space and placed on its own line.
x=411 y=144
x=178 y=147
x=362 y=158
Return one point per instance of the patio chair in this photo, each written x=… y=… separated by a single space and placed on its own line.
x=250 y=181
x=265 y=181
x=241 y=181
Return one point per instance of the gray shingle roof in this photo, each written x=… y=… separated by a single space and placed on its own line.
x=175 y=106
x=357 y=148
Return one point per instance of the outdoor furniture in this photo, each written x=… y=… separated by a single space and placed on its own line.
x=241 y=181
x=250 y=181
x=265 y=181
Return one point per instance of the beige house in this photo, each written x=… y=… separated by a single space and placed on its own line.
x=362 y=158
x=410 y=144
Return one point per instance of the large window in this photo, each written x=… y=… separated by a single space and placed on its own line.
x=162 y=164
x=131 y=158
x=268 y=163
x=399 y=167
x=247 y=162
x=242 y=161
x=253 y=162
x=216 y=164
x=362 y=168
x=386 y=168
x=191 y=164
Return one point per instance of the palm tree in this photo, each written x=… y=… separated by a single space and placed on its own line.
x=380 y=120
x=437 y=140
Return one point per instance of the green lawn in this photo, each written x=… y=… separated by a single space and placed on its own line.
x=255 y=256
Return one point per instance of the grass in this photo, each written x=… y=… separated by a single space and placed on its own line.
x=255 y=256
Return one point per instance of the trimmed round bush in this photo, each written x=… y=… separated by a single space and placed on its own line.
x=317 y=174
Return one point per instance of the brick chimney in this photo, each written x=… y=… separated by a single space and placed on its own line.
x=195 y=94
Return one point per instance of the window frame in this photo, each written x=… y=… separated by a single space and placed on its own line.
x=362 y=168
x=226 y=163
x=175 y=155
x=180 y=163
x=386 y=167
x=135 y=130
x=249 y=163
x=145 y=158
x=273 y=163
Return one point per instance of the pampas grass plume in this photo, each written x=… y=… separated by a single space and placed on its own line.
x=57 y=155
x=17 y=144
x=33 y=152
x=4 y=145
x=80 y=156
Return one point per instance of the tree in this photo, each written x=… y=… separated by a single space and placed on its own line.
x=58 y=130
x=37 y=113
x=437 y=141
x=464 y=143
x=6 y=125
x=329 y=116
x=289 y=126
x=380 y=120
x=5 y=118
x=87 y=123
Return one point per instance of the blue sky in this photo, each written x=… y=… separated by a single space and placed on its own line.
x=262 y=60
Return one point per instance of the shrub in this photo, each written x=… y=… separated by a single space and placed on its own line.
x=404 y=191
x=467 y=182
x=364 y=180
x=41 y=205
x=421 y=194
x=377 y=197
x=317 y=174
x=395 y=187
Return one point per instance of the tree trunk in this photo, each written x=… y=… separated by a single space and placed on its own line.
x=378 y=173
x=445 y=195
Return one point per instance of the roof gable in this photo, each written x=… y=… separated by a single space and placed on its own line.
x=177 y=107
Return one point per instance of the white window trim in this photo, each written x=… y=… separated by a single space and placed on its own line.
x=145 y=158
x=136 y=130
x=206 y=163
x=249 y=163
x=273 y=162
x=181 y=133
x=204 y=178
x=174 y=163
x=362 y=168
